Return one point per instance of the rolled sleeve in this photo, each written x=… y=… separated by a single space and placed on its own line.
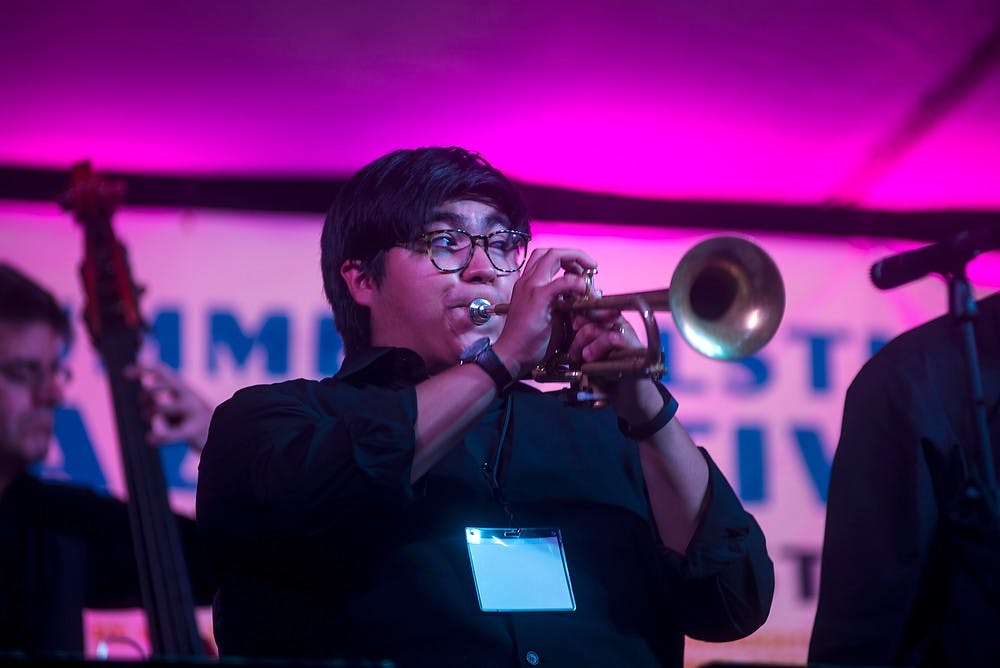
x=726 y=576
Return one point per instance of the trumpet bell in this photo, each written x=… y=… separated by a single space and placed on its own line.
x=727 y=297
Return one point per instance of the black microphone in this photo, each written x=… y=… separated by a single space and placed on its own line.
x=944 y=257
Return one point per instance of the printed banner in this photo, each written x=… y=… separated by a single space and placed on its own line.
x=235 y=299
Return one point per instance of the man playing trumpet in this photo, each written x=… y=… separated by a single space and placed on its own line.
x=424 y=506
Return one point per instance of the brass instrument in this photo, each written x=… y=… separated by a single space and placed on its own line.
x=726 y=296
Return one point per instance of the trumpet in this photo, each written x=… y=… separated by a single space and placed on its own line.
x=726 y=297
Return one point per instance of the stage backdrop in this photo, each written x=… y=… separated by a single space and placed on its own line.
x=235 y=299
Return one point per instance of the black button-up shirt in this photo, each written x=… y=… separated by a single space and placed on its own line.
x=64 y=548
x=911 y=562
x=326 y=549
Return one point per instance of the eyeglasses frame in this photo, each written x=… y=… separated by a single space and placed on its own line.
x=474 y=238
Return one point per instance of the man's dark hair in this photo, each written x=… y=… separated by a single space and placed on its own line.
x=23 y=301
x=389 y=202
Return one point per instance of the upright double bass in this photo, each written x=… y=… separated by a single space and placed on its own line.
x=114 y=321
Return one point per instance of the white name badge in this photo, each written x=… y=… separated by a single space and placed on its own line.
x=519 y=569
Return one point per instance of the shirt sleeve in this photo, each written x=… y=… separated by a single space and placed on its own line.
x=726 y=577
x=112 y=574
x=305 y=459
x=112 y=577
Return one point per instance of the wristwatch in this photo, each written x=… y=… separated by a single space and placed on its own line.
x=481 y=352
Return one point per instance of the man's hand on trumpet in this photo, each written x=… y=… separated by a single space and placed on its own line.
x=604 y=334
x=548 y=274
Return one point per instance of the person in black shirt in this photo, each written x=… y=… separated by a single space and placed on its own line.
x=64 y=548
x=909 y=577
x=423 y=506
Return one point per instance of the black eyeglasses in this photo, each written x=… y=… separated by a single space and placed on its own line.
x=451 y=250
x=32 y=374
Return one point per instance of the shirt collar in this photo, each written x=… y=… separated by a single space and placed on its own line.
x=383 y=366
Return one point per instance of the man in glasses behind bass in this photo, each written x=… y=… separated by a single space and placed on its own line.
x=424 y=506
x=64 y=547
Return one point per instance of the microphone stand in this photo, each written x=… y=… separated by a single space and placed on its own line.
x=981 y=482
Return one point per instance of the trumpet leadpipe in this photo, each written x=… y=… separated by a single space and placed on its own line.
x=481 y=310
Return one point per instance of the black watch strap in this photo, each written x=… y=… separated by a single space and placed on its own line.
x=656 y=423
x=491 y=364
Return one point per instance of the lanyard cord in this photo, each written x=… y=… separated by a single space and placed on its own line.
x=491 y=466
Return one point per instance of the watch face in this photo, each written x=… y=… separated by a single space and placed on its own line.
x=474 y=348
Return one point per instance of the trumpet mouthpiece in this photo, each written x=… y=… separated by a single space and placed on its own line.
x=480 y=311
